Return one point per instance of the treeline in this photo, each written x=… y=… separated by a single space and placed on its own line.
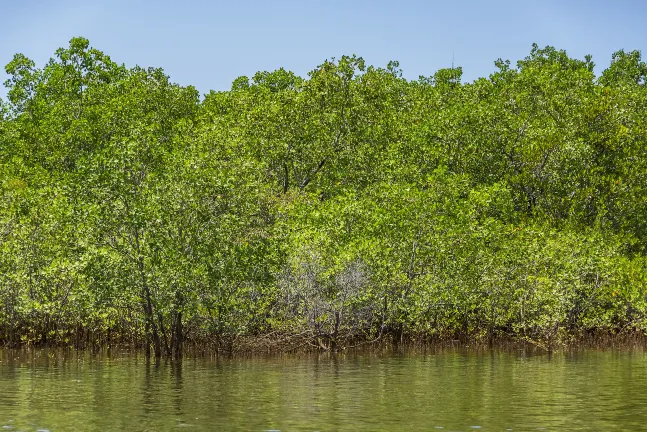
x=342 y=208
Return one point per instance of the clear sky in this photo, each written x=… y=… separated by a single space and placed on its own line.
x=210 y=43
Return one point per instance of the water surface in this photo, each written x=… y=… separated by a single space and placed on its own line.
x=450 y=391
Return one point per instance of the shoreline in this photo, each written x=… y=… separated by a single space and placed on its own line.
x=250 y=349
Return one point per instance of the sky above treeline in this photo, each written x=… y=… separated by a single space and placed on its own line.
x=210 y=43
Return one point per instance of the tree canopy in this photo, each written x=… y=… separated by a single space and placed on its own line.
x=348 y=206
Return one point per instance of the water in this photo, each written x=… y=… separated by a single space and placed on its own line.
x=451 y=390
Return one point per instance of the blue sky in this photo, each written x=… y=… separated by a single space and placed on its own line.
x=210 y=43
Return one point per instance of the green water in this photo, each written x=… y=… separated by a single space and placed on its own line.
x=512 y=390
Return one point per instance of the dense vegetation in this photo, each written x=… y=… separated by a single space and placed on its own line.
x=349 y=206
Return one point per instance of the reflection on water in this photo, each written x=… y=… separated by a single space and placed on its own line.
x=450 y=390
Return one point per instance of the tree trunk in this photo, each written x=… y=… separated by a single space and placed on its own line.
x=177 y=336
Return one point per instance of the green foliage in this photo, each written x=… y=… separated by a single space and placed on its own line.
x=348 y=206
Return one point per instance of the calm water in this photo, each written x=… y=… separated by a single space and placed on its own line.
x=444 y=391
